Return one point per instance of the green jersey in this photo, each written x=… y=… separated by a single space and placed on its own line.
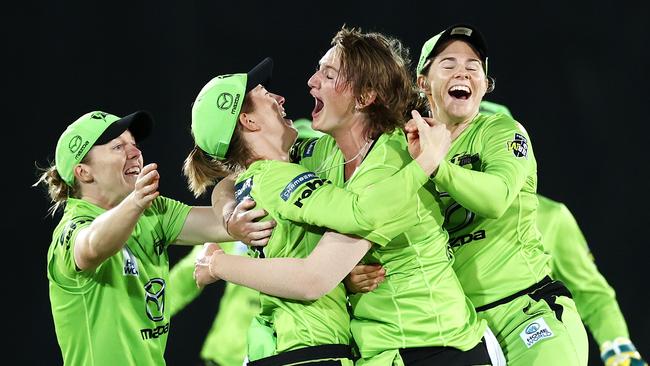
x=296 y=324
x=116 y=313
x=488 y=188
x=225 y=343
x=421 y=302
x=573 y=264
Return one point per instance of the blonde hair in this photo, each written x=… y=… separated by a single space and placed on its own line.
x=58 y=190
x=203 y=171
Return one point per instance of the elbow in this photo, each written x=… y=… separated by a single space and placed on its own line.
x=494 y=212
x=317 y=286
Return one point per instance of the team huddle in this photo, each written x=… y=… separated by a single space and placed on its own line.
x=402 y=227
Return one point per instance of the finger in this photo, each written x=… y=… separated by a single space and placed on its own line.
x=148 y=178
x=148 y=168
x=410 y=126
x=366 y=268
x=262 y=225
x=148 y=189
x=257 y=235
x=259 y=242
x=254 y=214
x=245 y=205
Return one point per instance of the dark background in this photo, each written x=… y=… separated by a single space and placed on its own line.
x=575 y=74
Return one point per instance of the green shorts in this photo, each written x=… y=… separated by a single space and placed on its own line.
x=541 y=327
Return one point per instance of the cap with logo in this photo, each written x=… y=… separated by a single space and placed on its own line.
x=216 y=109
x=303 y=126
x=95 y=128
x=464 y=32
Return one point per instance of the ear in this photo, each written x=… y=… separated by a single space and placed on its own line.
x=246 y=122
x=83 y=174
x=366 y=99
x=423 y=84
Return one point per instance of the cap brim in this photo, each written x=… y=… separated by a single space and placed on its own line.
x=139 y=123
x=260 y=74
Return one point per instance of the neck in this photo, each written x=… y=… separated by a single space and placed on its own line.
x=264 y=149
x=456 y=126
x=101 y=200
x=352 y=141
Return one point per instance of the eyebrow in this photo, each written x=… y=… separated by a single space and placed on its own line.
x=455 y=60
x=326 y=66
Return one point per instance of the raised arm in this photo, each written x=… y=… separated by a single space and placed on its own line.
x=505 y=170
x=106 y=235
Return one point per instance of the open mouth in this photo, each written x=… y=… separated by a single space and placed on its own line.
x=318 y=106
x=460 y=92
x=133 y=171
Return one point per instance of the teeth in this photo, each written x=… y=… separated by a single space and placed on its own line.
x=460 y=87
x=135 y=170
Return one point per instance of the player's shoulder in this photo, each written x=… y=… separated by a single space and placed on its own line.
x=392 y=145
x=311 y=147
x=549 y=205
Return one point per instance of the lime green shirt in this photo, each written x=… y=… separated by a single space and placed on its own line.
x=573 y=264
x=296 y=324
x=421 y=302
x=115 y=314
x=488 y=185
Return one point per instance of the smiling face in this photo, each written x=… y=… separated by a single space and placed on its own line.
x=268 y=111
x=112 y=169
x=457 y=83
x=334 y=99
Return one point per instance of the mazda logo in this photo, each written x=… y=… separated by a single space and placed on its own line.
x=154 y=295
x=224 y=100
x=74 y=144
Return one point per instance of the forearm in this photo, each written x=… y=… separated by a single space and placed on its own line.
x=482 y=193
x=282 y=277
x=202 y=225
x=109 y=232
x=295 y=278
x=357 y=212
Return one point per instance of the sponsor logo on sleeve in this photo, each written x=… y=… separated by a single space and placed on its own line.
x=535 y=332
x=463 y=159
x=243 y=189
x=295 y=183
x=309 y=149
x=71 y=227
x=519 y=146
x=311 y=182
x=130 y=267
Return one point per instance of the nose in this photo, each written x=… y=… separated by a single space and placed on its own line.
x=132 y=151
x=462 y=73
x=278 y=98
x=313 y=80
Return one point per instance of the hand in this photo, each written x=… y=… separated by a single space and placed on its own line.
x=364 y=278
x=620 y=352
x=146 y=187
x=202 y=274
x=428 y=141
x=241 y=224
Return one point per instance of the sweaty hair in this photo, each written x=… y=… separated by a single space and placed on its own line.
x=373 y=62
x=203 y=170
